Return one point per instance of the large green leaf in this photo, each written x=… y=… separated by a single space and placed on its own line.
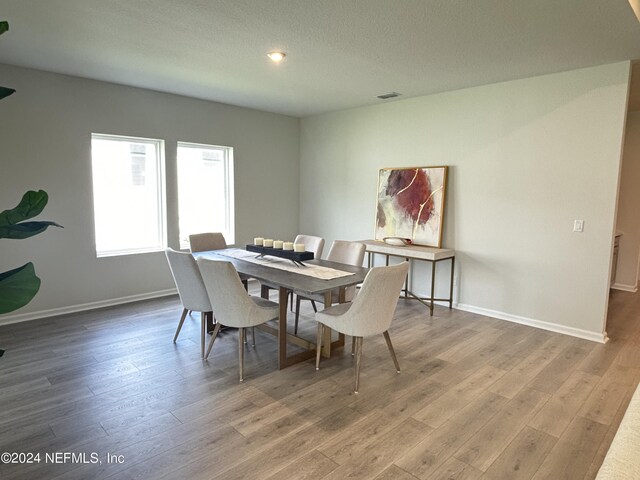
x=25 y=229
x=5 y=92
x=18 y=287
x=32 y=204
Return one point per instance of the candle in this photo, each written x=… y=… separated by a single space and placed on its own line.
x=268 y=242
x=298 y=247
x=277 y=244
x=287 y=245
x=258 y=241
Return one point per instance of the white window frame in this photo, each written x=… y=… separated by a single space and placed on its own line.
x=162 y=195
x=229 y=189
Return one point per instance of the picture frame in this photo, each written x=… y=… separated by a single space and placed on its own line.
x=410 y=204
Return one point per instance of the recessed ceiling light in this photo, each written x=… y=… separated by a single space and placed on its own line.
x=276 y=57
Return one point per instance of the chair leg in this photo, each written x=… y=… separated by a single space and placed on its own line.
x=184 y=315
x=291 y=306
x=353 y=346
x=313 y=304
x=241 y=352
x=216 y=329
x=358 y=361
x=253 y=336
x=393 y=354
x=319 y=344
x=295 y=327
x=245 y=283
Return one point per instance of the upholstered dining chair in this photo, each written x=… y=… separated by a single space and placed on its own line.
x=311 y=244
x=369 y=314
x=191 y=290
x=203 y=242
x=341 y=251
x=233 y=306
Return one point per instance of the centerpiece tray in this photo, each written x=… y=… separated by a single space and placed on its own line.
x=278 y=252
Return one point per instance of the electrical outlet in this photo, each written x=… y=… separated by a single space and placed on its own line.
x=578 y=225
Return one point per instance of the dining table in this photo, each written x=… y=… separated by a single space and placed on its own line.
x=310 y=278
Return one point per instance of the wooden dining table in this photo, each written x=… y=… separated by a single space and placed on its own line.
x=287 y=281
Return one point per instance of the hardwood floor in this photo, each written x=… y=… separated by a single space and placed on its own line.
x=477 y=398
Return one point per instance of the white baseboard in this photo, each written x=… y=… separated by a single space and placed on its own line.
x=25 y=317
x=552 y=327
x=625 y=288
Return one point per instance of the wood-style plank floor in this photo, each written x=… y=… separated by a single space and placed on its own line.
x=477 y=398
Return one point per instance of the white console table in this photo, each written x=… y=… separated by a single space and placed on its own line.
x=415 y=252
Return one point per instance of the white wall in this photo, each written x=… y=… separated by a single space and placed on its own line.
x=45 y=139
x=527 y=157
x=628 y=220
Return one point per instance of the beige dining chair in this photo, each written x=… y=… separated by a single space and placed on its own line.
x=311 y=244
x=191 y=290
x=341 y=251
x=369 y=314
x=204 y=242
x=233 y=306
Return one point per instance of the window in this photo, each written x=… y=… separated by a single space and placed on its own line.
x=205 y=191
x=128 y=194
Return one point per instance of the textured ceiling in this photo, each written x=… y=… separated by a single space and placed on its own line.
x=340 y=53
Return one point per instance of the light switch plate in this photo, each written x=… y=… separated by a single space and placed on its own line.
x=578 y=225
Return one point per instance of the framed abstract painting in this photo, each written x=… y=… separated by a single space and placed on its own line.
x=411 y=204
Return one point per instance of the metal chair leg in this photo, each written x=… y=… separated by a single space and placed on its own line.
x=241 y=352
x=393 y=353
x=216 y=329
x=313 y=304
x=353 y=346
x=253 y=336
x=184 y=315
x=358 y=361
x=319 y=344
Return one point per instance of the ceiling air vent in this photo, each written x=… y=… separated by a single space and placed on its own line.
x=385 y=96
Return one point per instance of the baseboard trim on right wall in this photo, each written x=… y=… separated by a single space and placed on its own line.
x=552 y=327
x=625 y=288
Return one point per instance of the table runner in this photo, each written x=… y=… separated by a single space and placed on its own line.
x=316 y=271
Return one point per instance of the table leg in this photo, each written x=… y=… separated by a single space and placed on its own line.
x=453 y=263
x=406 y=280
x=433 y=287
x=209 y=317
x=264 y=292
x=283 y=294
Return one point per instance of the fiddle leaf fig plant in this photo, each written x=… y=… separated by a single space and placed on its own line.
x=20 y=285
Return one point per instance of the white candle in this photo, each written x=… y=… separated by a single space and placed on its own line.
x=258 y=241
x=287 y=245
x=268 y=242
x=298 y=247
x=277 y=244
